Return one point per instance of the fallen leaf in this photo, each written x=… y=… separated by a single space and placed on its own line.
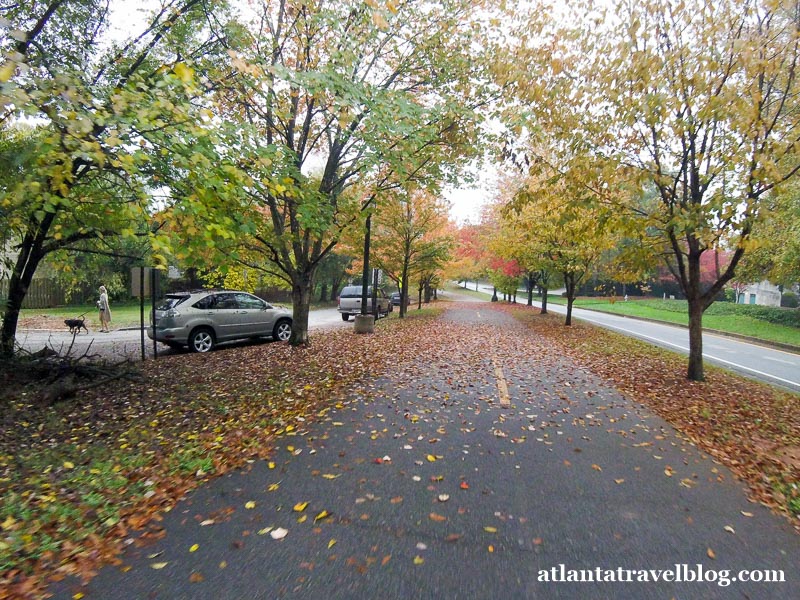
x=321 y=515
x=396 y=500
x=386 y=559
x=489 y=529
x=597 y=467
x=194 y=547
x=711 y=554
x=491 y=548
x=206 y=522
x=431 y=458
x=729 y=529
x=453 y=537
x=747 y=514
x=279 y=533
x=330 y=476
x=443 y=498
x=196 y=577
x=418 y=560
x=619 y=481
x=331 y=544
x=249 y=505
x=158 y=566
x=300 y=506
x=464 y=485
x=273 y=486
x=436 y=517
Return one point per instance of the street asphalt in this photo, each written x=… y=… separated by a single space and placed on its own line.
x=484 y=471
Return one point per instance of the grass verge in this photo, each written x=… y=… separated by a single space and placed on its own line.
x=729 y=319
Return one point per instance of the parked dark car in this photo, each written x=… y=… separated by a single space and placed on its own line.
x=395 y=297
x=201 y=319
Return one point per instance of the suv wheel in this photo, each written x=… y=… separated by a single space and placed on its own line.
x=283 y=330
x=345 y=317
x=201 y=340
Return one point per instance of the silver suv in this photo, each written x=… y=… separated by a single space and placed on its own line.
x=202 y=319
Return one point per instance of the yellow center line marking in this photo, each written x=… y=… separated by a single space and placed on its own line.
x=502 y=386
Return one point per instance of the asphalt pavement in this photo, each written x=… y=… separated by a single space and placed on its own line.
x=486 y=468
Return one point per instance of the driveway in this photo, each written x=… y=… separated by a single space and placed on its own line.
x=483 y=468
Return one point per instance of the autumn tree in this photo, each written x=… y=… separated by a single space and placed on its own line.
x=698 y=99
x=411 y=235
x=467 y=261
x=101 y=110
x=338 y=103
x=774 y=250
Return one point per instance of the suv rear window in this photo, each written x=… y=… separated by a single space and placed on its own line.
x=171 y=301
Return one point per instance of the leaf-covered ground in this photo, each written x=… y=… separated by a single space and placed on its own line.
x=77 y=480
x=752 y=428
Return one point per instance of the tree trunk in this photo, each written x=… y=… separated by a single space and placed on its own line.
x=27 y=262
x=404 y=290
x=695 y=371
x=301 y=301
x=529 y=288
x=544 y=301
x=323 y=295
x=569 y=283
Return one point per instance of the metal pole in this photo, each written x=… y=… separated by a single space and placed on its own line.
x=365 y=272
x=375 y=293
x=141 y=309
x=153 y=275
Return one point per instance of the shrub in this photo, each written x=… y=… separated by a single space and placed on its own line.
x=789 y=300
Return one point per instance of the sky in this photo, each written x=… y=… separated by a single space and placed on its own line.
x=466 y=202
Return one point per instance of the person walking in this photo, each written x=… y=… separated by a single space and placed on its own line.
x=105 y=309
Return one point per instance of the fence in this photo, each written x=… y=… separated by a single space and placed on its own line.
x=42 y=293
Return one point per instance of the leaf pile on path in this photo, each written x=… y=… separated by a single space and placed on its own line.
x=752 y=428
x=78 y=479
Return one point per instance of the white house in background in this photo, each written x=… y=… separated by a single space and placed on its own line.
x=763 y=294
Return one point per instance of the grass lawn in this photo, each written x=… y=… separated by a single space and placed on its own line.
x=122 y=315
x=675 y=311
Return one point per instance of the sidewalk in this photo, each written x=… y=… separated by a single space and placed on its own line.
x=425 y=486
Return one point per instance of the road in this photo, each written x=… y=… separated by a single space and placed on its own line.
x=483 y=468
x=767 y=364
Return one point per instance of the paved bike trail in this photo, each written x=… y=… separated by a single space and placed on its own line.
x=439 y=485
